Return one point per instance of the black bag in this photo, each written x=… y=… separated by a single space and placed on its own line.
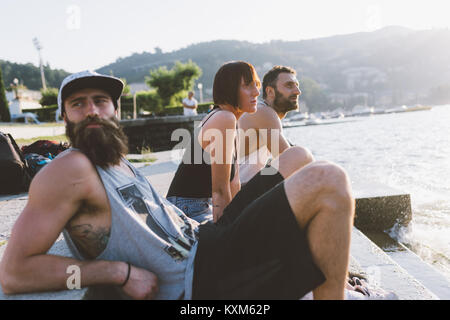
x=14 y=175
x=46 y=148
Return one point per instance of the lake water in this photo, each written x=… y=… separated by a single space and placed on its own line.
x=408 y=151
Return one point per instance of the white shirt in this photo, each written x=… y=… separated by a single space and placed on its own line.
x=190 y=102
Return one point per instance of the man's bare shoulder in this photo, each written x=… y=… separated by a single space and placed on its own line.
x=72 y=163
x=264 y=118
x=65 y=171
x=267 y=113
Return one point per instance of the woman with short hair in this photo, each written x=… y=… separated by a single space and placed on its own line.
x=206 y=182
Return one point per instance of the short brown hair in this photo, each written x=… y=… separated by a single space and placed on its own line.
x=228 y=80
x=270 y=78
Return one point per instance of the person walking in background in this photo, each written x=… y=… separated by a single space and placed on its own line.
x=190 y=105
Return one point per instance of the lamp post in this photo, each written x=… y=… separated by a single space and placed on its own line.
x=200 y=87
x=134 y=105
x=38 y=47
x=16 y=89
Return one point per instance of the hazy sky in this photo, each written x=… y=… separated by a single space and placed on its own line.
x=81 y=34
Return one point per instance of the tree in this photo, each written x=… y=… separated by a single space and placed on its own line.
x=5 y=116
x=314 y=97
x=171 y=84
x=126 y=87
x=49 y=97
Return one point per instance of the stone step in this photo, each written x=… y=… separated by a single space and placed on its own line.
x=379 y=211
x=385 y=272
x=426 y=274
x=380 y=207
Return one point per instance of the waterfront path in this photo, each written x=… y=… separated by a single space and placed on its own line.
x=26 y=131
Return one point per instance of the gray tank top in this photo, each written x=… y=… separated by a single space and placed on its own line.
x=147 y=231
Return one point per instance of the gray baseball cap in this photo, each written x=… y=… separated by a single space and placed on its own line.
x=89 y=79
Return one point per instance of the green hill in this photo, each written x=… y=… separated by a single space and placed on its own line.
x=392 y=65
x=394 y=61
x=30 y=75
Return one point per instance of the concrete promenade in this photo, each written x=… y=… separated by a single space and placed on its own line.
x=26 y=131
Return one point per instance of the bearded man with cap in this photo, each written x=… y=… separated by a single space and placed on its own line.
x=123 y=235
x=263 y=131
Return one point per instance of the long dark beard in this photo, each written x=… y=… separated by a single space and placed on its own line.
x=281 y=104
x=104 y=146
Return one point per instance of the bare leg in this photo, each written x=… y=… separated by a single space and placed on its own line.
x=320 y=197
x=291 y=160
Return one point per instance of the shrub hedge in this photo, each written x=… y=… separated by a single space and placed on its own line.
x=144 y=102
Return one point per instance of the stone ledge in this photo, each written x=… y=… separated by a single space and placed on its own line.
x=380 y=208
x=166 y=119
x=382 y=213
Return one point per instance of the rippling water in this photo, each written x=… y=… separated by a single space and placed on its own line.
x=408 y=151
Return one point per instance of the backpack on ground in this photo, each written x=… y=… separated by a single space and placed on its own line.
x=47 y=148
x=35 y=162
x=14 y=175
x=40 y=153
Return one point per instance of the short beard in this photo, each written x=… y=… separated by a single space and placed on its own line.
x=281 y=104
x=104 y=146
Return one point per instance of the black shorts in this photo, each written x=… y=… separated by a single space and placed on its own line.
x=256 y=250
